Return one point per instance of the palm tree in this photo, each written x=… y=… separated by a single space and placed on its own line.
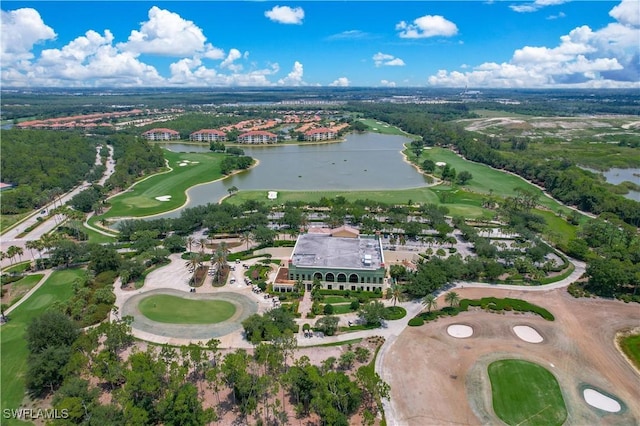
x=190 y=242
x=202 y=242
x=220 y=259
x=430 y=302
x=452 y=298
x=396 y=293
x=194 y=262
x=246 y=238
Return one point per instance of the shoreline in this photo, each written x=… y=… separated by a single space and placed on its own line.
x=186 y=192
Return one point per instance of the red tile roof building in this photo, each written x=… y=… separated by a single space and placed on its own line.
x=258 y=136
x=161 y=135
x=320 y=134
x=208 y=135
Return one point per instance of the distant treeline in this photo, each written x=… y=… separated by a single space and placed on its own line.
x=560 y=177
x=42 y=164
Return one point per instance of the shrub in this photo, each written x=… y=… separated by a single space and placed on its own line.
x=416 y=321
x=355 y=305
x=328 y=309
x=394 y=312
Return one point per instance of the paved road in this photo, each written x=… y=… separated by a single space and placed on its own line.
x=10 y=238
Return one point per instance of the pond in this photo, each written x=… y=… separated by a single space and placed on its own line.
x=361 y=162
x=616 y=176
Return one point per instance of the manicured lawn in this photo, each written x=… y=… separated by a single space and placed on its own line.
x=526 y=394
x=141 y=199
x=22 y=286
x=13 y=347
x=98 y=238
x=631 y=347
x=383 y=128
x=417 y=195
x=342 y=308
x=176 y=310
x=336 y=299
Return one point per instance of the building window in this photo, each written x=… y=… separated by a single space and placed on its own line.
x=330 y=277
x=329 y=286
x=353 y=278
x=353 y=288
x=341 y=287
x=342 y=278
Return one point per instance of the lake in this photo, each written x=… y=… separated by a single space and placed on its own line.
x=616 y=176
x=360 y=162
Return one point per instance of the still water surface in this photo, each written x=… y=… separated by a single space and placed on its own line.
x=362 y=162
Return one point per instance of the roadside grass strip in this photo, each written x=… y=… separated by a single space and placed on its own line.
x=13 y=346
x=631 y=347
x=176 y=310
x=526 y=394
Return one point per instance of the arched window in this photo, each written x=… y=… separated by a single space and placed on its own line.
x=329 y=277
x=342 y=278
x=317 y=276
x=353 y=278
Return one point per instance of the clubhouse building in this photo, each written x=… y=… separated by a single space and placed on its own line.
x=340 y=258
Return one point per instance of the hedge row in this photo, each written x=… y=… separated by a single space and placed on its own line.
x=506 y=304
x=488 y=303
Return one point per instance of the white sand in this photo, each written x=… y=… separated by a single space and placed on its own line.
x=528 y=334
x=182 y=164
x=441 y=164
x=460 y=331
x=603 y=402
x=163 y=198
x=375 y=128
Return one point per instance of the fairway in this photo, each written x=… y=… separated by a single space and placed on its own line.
x=57 y=288
x=189 y=169
x=526 y=394
x=177 y=310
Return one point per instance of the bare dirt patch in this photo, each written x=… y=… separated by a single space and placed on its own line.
x=444 y=380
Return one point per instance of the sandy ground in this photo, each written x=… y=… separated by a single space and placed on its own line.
x=445 y=380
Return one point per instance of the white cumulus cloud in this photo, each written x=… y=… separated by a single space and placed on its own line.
x=20 y=30
x=536 y=5
x=627 y=13
x=381 y=59
x=294 y=78
x=167 y=33
x=285 y=15
x=340 y=82
x=234 y=55
x=427 y=26
x=387 y=83
x=606 y=58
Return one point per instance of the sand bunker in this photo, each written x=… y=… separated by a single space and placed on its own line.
x=600 y=401
x=459 y=331
x=441 y=164
x=164 y=198
x=527 y=334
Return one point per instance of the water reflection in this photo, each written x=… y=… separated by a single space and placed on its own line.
x=362 y=162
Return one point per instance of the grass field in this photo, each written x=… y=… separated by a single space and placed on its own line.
x=141 y=199
x=176 y=310
x=526 y=394
x=383 y=128
x=13 y=347
x=22 y=286
x=7 y=221
x=631 y=347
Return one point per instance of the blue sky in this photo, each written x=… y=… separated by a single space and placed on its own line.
x=501 y=44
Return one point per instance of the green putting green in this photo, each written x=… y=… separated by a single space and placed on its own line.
x=526 y=394
x=177 y=310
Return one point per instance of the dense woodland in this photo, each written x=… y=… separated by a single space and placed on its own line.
x=42 y=165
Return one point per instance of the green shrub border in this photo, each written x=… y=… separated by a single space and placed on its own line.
x=487 y=303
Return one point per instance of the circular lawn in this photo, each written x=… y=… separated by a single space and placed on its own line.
x=177 y=310
x=526 y=394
